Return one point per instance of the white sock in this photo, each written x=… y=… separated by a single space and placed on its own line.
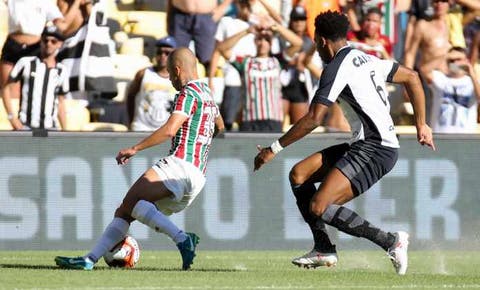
x=112 y=235
x=146 y=213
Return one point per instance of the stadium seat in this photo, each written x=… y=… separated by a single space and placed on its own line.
x=202 y=72
x=147 y=23
x=122 y=91
x=132 y=46
x=114 y=13
x=77 y=115
x=126 y=65
x=104 y=127
x=127 y=2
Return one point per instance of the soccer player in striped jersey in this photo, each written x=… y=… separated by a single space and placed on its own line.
x=348 y=170
x=41 y=84
x=173 y=182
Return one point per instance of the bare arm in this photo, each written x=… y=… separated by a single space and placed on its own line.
x=409 y=78
x=300 y=129
x=70 y=13
x=62 y=112
x=225 y=47
x=409 y=31
x=167 y=131
x=271 y=11
x=12 y=90
x=213 y=67
x=219 y=11
x=304 y=126
x=471 y=73
x=352 y=16
x=470 y=4
x=290 y=36
x=411 y=50
x=475 y=48
x=132 y=92
x=314 y=70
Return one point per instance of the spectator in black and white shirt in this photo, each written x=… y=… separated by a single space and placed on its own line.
x=40 y=83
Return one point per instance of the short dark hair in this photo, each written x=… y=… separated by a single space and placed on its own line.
x=332 y=25
x=374 y=10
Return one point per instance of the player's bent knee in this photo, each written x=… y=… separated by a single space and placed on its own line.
x=143 y=211
x=296 y=177
x=330 y=212
x=124 y=214
x=317 y=208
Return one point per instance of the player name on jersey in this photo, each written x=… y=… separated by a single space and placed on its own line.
x=360 y=60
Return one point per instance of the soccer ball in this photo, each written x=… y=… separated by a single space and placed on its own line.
x=125 y=254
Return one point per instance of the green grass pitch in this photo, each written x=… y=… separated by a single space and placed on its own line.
x=244 y=270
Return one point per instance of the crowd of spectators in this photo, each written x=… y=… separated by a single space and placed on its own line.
x=258 y=57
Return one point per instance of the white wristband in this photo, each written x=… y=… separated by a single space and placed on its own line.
x=276 y=147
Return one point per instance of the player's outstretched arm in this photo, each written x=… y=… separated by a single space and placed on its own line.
x=166 y=132
x=303 y=127
x=409 y=78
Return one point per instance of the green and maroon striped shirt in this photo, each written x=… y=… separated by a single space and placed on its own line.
x=263 y=91
x=193 y=139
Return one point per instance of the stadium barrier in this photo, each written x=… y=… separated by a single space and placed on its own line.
x=60 y=191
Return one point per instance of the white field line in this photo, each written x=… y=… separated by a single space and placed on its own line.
x=409 y=286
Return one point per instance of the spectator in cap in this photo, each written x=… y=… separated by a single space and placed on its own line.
x=39 y=108
x=26 y=20
x=298 y=13
x=150 y=94
x=167 y=41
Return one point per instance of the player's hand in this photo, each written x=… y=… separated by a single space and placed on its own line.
x=124 y=155
x=16 y=124
x=264 y=156
x=425 y=137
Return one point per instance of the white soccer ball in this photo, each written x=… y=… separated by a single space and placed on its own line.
x=125 y=254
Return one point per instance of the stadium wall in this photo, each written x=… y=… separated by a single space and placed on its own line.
x=60 y=191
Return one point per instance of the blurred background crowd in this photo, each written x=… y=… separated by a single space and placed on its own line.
x=100 y=65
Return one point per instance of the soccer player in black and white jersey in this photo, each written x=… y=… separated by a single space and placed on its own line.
x=347 y=170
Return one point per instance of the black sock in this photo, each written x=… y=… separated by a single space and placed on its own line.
x=304 y=193
x=351 y=223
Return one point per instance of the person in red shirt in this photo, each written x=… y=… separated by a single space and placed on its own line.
x=369 y=39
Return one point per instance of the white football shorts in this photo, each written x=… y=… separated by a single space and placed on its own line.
x=180 y=177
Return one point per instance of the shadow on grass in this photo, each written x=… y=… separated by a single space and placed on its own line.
x=103 y=268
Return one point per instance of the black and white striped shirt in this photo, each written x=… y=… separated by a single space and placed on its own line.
x=359 y=81
x=40 y=88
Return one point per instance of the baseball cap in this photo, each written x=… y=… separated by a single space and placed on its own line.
x=52 y=30
x=298 y=13
x=168 y=41
x=243 y=2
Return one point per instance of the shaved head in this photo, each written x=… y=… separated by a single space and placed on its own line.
x=182 y=67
